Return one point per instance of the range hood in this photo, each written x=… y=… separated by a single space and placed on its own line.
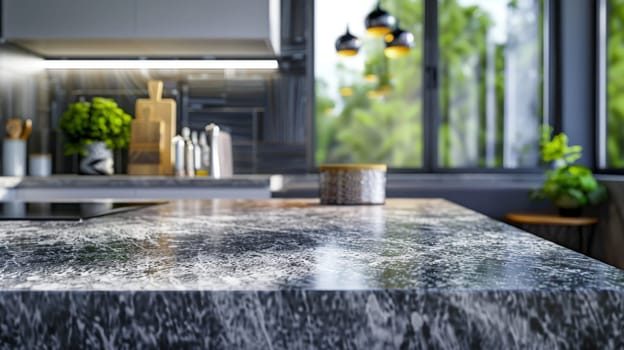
x=144 y=28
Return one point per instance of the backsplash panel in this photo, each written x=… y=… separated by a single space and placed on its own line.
x=267 y=112
x=250 y=104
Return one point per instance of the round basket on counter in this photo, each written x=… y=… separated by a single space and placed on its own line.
x=349 y=184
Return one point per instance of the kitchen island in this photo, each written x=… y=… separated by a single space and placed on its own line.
x=278 y=274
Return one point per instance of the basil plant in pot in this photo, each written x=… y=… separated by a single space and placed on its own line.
x=570 y=187
x=92 y=130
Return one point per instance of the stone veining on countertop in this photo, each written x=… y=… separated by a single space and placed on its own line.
x=294 y=274
x=221 y=245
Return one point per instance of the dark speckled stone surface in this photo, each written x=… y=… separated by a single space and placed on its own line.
x=129 y=181
x=294 y=274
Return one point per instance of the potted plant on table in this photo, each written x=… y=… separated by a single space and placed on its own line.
x=570 y=187
x=93 y=130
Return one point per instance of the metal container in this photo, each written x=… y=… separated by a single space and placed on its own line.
x=14 y=157
x=178 y=151
x=350 y=184
x=221 y=160
x=189 y=153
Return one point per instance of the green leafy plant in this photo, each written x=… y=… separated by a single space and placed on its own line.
x=568 y=186
x=557 y=149
x=100 y=120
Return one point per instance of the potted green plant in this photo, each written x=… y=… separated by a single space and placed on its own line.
x=570 y=187
x=93 y=129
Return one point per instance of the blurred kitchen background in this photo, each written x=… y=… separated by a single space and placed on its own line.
x=264 y=110
x=459 y=116
x=497 y=74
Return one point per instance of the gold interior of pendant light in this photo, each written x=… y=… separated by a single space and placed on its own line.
x=347 y=45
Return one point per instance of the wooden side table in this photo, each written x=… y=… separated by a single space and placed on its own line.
x=576 y=233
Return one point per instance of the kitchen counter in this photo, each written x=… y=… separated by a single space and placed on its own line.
x=124 y=187
x=131 y=181
x=294 y=274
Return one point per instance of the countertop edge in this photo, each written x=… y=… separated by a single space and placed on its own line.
x=120 y=181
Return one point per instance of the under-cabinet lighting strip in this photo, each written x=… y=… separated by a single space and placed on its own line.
x=161 y=64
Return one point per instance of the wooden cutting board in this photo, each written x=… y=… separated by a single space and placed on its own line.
x=146 y=149
x=153 y=129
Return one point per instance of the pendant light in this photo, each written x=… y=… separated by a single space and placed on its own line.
x=379 y=22
x=348 y=44
x=398 y=43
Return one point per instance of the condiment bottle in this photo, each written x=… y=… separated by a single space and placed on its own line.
x=189 y=153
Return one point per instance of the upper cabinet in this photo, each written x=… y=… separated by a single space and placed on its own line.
x=198 y=28
x=56 y=19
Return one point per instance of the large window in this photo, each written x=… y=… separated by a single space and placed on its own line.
x=490 y=83
x=487 y=79
x=368 y=107
x=614 y=86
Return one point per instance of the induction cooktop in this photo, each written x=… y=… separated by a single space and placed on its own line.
x=75 y=211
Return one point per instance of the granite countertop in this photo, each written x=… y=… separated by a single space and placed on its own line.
x=282 y=244
x=292 y=273
x=89 y=181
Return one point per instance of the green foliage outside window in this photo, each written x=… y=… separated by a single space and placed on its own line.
x=381 y=116
x=615 y=84
x=380 y=120
x=463 y=31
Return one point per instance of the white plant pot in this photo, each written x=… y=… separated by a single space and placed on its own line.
x=98 y=161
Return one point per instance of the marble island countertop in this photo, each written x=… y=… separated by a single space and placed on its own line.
x=294 y=274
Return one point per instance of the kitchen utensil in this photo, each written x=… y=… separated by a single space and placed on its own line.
x=26 y=130
x=353 y=184
x=143 y=138
x=14 y=128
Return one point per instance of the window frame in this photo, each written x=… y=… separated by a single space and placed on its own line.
x=430 y=97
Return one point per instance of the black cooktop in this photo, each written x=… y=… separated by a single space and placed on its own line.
x=76 y=211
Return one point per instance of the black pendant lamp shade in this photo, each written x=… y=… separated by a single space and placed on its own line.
x=379 y=22
x=348 y=44
x=398 y=43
